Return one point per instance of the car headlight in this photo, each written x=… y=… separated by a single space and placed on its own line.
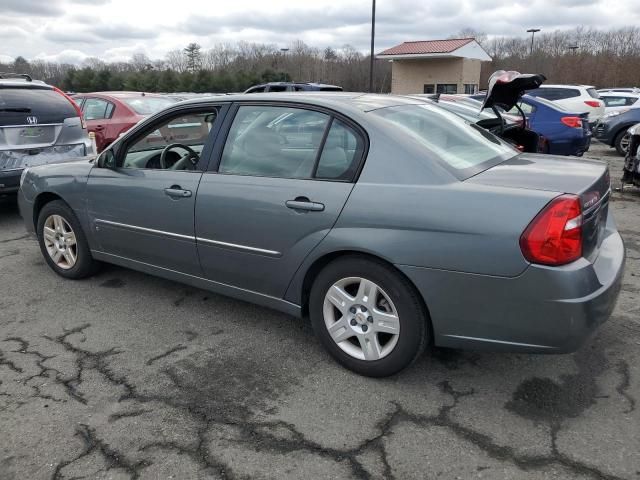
x=24 y=174
x=615 y=113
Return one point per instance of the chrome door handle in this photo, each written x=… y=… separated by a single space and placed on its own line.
x=176 y=192
x=303 y=203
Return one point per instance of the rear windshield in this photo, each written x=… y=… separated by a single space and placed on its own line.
x=593 y=92
x=147 y=105
x=47 y=106
x=463 y=146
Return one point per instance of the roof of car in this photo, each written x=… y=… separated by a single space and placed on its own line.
x=360 y=101
x=566 y=85
x=23 y=83
x=615 y=93
x=121 y=94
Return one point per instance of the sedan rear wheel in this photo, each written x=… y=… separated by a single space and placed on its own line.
x=368 y=316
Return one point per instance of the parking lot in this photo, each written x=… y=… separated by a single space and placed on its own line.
x=130 y=376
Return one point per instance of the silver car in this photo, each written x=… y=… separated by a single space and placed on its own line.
x=38 y=124
x=389 y=221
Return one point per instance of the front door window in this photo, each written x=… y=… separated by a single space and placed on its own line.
x=176 y=144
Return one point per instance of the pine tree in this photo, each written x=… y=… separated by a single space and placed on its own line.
x=194 y=57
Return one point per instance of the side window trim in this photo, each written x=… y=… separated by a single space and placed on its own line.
x=358 y=130
x=111 y=108
x=325 y=134
x=205 y=157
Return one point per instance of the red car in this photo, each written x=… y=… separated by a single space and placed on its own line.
x=109 y=114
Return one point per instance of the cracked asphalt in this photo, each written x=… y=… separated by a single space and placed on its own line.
x=130 y=376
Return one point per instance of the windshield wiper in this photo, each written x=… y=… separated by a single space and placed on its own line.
x=17 y=110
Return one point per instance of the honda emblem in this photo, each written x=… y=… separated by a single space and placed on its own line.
x=32 y=120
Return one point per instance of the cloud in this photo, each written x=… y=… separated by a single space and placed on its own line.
x=122 y=31
x=123 y=54
x=6 y=59
x=36 y=8
x=113 y=29
x=65 y=56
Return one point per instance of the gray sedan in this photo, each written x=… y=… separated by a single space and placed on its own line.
x=392 y=223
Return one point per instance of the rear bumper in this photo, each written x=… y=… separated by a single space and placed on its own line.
x=10 y=181
x=574 y=145
x=544 y=310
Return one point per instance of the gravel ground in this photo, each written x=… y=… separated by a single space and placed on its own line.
x=130 y=376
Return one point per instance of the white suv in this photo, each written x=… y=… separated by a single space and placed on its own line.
x=575 y=98
x=615 y=101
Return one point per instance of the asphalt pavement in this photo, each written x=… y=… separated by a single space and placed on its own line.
x=129 y=376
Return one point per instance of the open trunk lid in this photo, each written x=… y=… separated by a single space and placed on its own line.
x=587 y=179
x=506 y=88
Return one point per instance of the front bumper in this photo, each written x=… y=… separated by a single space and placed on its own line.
x=602 y=133
x=544 y=310
x=10 y=181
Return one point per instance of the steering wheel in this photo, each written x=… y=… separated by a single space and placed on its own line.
x=191 y=154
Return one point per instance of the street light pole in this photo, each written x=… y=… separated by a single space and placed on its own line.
x=373 y=34
x=532 y=31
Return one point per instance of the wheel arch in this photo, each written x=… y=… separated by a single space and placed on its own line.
x=621 y=129
x=319 y=263
x=39 y=202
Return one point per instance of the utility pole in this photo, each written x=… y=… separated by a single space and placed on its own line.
x=532 y=31
x=373 y=35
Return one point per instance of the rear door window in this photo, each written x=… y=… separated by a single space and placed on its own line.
x=95 y=109
x=271 y=141
x=47 y=106
x=616 y=101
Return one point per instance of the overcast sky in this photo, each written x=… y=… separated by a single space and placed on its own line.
x=71 y=30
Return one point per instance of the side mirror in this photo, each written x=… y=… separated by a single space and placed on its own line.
x=107 y=159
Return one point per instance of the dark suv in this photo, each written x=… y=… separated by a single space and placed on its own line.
x=293 y=87
x=612 y=128
x=38 y=124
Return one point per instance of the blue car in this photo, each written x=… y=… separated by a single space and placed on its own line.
x=567 y=133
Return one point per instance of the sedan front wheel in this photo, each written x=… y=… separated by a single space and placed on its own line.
x=63 y=243
x=368 y=316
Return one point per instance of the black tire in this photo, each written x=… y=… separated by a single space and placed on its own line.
x=85 y=265
x=413 y=318
x=617 y=143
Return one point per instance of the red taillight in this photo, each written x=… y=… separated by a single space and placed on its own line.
x=573 y=122
x=75 y=105
x=554 y=237
x=593 y=103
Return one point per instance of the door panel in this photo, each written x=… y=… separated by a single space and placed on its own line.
x=132 y=216
x=144 y=208
x=249 y=238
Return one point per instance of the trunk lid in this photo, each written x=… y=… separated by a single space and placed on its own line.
x=587 y=179
x=506 y=88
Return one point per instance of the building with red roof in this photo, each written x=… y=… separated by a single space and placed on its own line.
x=436 y=66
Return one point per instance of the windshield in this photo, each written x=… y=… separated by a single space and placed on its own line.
x=460 y=144
x=147 y=105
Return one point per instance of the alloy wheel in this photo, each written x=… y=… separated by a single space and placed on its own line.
x=624 y=142
x=361 y=318
x=60 y=242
